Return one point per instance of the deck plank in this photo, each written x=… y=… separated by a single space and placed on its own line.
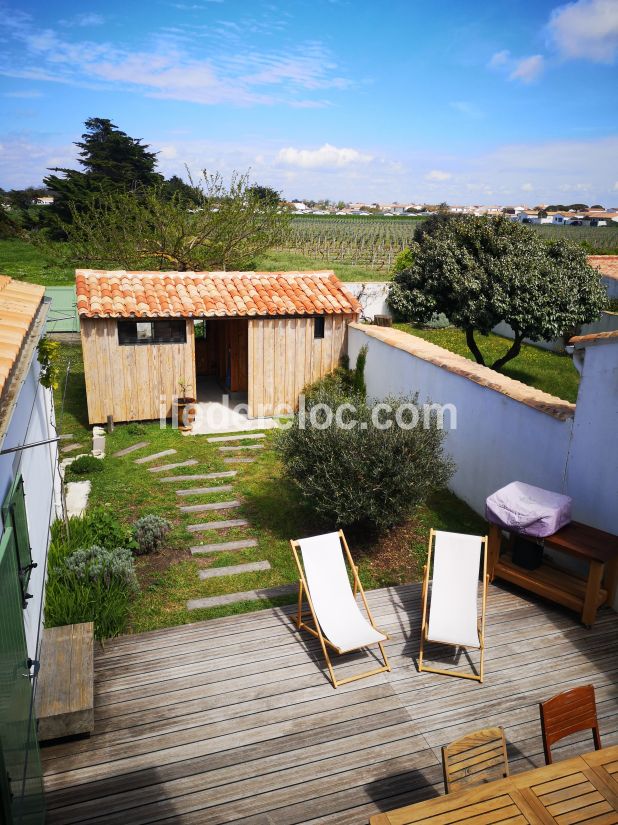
x=235 y=719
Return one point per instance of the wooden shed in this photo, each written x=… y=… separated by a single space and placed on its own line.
x=262 y=336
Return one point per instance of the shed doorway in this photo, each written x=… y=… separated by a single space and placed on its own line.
x=222 y=357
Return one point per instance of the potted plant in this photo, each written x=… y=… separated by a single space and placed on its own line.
x=185 y=415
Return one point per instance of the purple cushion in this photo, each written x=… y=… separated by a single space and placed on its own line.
x=528 y=510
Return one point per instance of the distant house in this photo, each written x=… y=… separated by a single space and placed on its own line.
x=259 y=335
x=29 y=492
x=44 y=200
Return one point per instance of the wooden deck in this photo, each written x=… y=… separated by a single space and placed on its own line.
x=235 y=719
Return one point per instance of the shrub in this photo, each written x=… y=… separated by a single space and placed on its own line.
x=85 y=465
x=90 y=585
x=362 y=476
x=135 y=429
x=149 y=533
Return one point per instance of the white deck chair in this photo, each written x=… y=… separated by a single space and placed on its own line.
x=337 y=619
x=453 y=611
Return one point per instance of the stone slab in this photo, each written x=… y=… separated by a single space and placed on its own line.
x=247 y=596
x=191 y=462
x=235 y=437
x=204 y=491
x=139 y=446
x=238 y=460
x=223 y=546
x=147 y=458
x=241 y=447
x=205 y=508
x=217 y=525
x=198 y=477
x=69 y=448
x=232 y=570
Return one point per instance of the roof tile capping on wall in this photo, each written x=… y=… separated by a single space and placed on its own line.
x=103 y=294
x=19 y=303
x=539 y=400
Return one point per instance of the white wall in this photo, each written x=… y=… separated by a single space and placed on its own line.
x=32 y=420
x=499 y=439
x=608 y=322
x=372 y=296
x=592 y=474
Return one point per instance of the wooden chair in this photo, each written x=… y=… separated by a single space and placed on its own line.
x=568 y=713
x=476 y=758
x=338 y=622
x=451 y=615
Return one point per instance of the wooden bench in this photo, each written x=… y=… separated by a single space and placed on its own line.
x=584 y=595
x=64 y=695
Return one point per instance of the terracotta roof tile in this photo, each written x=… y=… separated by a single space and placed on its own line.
x=19 y=303
x=103 y=294
x=594 y=338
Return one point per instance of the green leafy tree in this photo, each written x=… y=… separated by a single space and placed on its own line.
x=112 y=161
x=146 y=228
x=480 y=271
x=265 y=194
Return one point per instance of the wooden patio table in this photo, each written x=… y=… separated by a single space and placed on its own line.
x=583 y=789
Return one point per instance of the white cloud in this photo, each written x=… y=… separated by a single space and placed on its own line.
x=527 y=187
x=616 y=186
x=586 y=29
x=26 y=94
x=84 y=20
x=528 y=69
x=173 y=66
x=499 y=59
x=326 y=157
x=466 y=107
x=438 y=174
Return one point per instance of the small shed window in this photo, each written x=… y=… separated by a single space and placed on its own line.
x=318 y=327
x=166 y=331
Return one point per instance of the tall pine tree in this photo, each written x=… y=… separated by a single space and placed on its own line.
x=111 y=160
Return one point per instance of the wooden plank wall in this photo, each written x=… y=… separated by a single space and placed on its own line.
x=128 y=382
x=284 y=356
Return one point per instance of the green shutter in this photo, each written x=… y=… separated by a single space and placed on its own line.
x=14 y=513
x=21 y=781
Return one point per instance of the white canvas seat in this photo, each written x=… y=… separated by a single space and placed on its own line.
x=338 y=621
x=453 y=607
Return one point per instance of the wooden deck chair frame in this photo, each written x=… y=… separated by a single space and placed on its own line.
x=477 y=677
x=316 y=629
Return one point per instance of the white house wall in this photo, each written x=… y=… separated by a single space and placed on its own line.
x=32 y=421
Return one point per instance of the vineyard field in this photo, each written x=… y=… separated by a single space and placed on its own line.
x=374 y=242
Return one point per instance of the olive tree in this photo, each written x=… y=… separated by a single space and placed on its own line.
x=480 y=271
x=220 y=227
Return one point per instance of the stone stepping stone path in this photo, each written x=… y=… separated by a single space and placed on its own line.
x=148 y=458
x=191 y=462
x=205 y=508
x=250 y=567
x=139 y=446
x=223 y=546
x=199 y=476
x=66 y=437
x=204 y=491
x=248 y=596
x=69 y=448
x=217 y=525
x=238 y=460
x=235 y=437
x=242 y=447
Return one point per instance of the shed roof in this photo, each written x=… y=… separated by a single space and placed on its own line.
x=19 y=303
x=105 y=294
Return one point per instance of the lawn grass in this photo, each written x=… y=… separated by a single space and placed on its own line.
x=26 y=262
x=273 y=507
x=548 y=371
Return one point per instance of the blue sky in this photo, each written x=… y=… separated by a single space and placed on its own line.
x=475 y=102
